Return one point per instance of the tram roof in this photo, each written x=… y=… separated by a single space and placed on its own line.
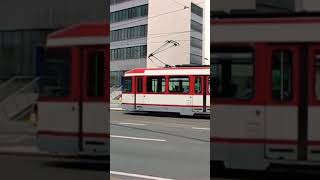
x=81 y=34
x=169 y=71
x=263 y=28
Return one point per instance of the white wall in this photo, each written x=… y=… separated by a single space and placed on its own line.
x=171 y=23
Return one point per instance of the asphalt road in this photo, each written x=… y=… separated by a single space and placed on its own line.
x=156 y=146
x=38 y=168
x=20 y=137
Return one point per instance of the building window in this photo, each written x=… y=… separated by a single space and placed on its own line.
x=195 y=26
x=196 y=10
x=136 y=52
x=232 y=72
x=156 y=84
x=129 y=33
x=197 y=43
x=282 y=75
x=127 y=14
x=195 y=59
x=112 y=2
x=179 y=85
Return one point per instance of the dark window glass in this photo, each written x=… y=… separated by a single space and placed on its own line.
x=179 y=85
x=198 y=85
x=56 y=74
x=282 y=75
x=197 y=43
x=196 y=26
x=127 y=14
x=96 y=74
x=232 y=71
x=317 y=77
x=156 y=84
x=140 y=85
x=127 y=85
x=196 y=10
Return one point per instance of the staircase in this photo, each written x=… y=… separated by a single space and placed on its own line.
x=115 y=97
x=18 y=96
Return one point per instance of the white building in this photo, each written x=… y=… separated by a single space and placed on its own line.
x=139 y=27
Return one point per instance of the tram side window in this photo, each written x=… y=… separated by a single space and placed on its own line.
x=282 y=76
x=317 y=76
x=209 y=85
x=96 y=74
x=156 y=84
x=140 y=85
x=56 y=73
x=179 y=85
x=198 y=85
x=232 y=72
x=127 y=85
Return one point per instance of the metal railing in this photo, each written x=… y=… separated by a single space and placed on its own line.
x=18 y=97
x=115 y=92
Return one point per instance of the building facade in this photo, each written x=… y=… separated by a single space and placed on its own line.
x=266 y=5
x=26 y=24
x=140 y=27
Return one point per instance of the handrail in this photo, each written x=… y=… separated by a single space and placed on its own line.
x=7 y=82
x=20 y=90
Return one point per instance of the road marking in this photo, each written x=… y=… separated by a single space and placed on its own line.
x=199 y=128
x=135 y=124
x=136 y=138
x=138 y=176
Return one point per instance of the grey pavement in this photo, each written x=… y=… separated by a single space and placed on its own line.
x=23 y=167
x=183 y=153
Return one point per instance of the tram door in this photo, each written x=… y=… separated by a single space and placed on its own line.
x=139 y=96
x=284 y=110
x=93 y=113
x=200 y=93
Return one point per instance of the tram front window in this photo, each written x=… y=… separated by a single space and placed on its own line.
x=55 y=73
x=232 y=73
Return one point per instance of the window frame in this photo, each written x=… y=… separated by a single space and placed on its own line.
x=238 y=47
x=157 y=76
x=295 y=78
x=72 y=74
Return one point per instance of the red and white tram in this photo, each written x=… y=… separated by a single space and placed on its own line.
x=72 y=113
x=184 y=90
x=266 y=91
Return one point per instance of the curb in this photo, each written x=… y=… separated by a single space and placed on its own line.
x=116 y=109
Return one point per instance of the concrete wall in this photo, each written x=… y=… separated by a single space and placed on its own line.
x=26 y=24
x=35 y=14
x=308 y=5
x=227 y=5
